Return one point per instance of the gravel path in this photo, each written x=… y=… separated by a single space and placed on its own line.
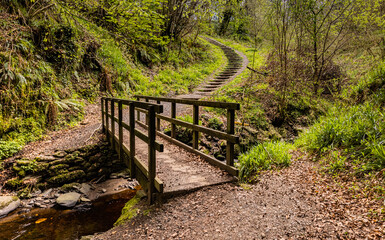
x=283 y=205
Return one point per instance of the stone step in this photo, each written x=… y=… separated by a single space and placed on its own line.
x=229 y=72
x=204 y=90
x=213 y=87
x=217 y=79
x=216 y=83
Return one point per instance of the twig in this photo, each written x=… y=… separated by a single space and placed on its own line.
x=94 y=132
x=40 y=10
x=262 y=73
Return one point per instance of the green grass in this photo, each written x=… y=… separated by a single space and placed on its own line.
x=265 y=156
x=175 y=81
x=359 y=131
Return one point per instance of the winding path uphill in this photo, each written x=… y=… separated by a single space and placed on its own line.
x=237 y=63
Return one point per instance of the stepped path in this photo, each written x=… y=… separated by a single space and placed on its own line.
x=237 y=63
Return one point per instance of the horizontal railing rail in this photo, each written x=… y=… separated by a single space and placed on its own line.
x=229 y=135
x=145 y=173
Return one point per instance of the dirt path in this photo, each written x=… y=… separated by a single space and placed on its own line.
x=283 y=205
x=85 y=133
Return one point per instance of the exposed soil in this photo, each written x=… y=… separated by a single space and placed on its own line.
x=290 y=204
x=86 y=133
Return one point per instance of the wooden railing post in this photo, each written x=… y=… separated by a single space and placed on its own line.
x=132 y=140
x=151 y=153
x=158 y=120
x=173 y=115
x=102 y=103
x=196 y=122
x=113 y=124
x=120 y=121
x=147 y=113
x=107 y=127
x=230 y=130
x=137 y=112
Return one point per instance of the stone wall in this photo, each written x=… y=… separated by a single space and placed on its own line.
x=91 y=162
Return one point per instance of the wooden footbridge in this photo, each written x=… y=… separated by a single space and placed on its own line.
x=163 y=165
x=142 y=145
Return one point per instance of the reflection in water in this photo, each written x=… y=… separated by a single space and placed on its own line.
x=65 y=224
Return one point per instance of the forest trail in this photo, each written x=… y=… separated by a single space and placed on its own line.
x=294 y=203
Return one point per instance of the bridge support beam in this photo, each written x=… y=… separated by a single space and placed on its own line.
x=196 y=122
x=230 y=130
x=132 y=140
x=151 y=153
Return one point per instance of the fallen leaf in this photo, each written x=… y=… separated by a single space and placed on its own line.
x=41 y=220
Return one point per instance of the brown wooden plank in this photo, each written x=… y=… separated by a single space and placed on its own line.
x=143 y=168
x=143 y=105
x=113 y=122
x=103 y=124
x=132 y=139
x=151 y=154
x=107 y=124
x=212 y=132
x=195 y=122
x=142 y=136
x=230 y=130
x=230 y=169
x=234 y=106
x=120 y=118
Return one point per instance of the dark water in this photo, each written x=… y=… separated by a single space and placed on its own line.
x=65 y=224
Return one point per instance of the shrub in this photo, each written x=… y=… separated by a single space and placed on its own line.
x=8 y=148
x=264 y=156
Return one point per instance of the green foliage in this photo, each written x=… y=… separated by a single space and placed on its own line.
x=359 y=129
x=8 y=148
x=371 y=87
x=264 y=156
x=215 y=123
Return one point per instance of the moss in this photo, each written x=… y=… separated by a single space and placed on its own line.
x=21 y=173
x=3 y=205
x=13 y=183
x=129 y=211
x=70 y=186
x=67 y=177
x=58 y=169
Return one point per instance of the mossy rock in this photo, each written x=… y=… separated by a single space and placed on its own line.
x=129 y=211
x=71 y=169
x=70 y=186
x=41 y=167
x=62 y=161
x=13 y=183
x=89 y=148
x=79 y=161
x=95 y=158
x=58 y=169
x=67 y=177
x=23 y=162
x=60 y=154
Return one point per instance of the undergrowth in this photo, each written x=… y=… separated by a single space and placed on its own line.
x=265 y=156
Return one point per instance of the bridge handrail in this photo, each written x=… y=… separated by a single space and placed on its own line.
x=229 y=136
x=148 y=172
x=233 y=106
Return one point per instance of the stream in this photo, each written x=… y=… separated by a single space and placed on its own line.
x=63 y=224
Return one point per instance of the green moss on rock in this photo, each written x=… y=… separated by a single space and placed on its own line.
x=13 y=183
x=67 y=177
x=129 y=211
